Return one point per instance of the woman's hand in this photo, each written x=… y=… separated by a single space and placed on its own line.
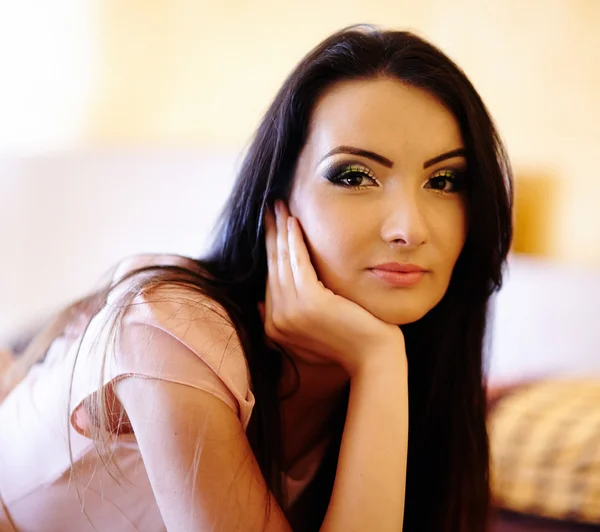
x=309 y=319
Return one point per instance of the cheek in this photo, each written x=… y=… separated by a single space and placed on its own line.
x=332 y=236
x=449 y=233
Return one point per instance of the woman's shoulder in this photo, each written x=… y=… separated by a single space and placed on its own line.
x=189 y=315
x=172 y=300
x=131 y=263
x=131 y=276
x=172 y=332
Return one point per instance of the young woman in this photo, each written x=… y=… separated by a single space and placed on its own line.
x=321 y=368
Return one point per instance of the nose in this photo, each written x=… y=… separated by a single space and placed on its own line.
x=404 y=223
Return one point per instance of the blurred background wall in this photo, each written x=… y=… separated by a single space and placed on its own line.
x=123 y=120
x=184 y=72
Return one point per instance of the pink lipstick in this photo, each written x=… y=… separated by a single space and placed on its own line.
x=396 y=274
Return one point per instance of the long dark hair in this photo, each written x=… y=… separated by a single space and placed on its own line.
x=447 y=477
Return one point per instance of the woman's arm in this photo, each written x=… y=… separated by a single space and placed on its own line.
x=205 y=476
x=369 y=488
x=200 y=465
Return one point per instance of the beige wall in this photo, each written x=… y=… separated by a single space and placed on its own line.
x=201 y=73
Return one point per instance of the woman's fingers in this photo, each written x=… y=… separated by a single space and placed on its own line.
x=287 y=285
x=305 y=276
x=290 y=271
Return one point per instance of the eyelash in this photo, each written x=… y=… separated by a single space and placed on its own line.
x=455 y=177
x=338 y=173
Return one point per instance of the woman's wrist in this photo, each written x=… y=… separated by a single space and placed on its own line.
x=388 y=357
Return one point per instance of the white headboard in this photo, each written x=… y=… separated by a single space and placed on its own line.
x=65 y=219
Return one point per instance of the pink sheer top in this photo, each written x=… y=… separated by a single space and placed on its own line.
x=38 y=488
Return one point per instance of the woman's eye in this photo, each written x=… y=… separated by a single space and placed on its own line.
x=352 y=176
x=446 y=181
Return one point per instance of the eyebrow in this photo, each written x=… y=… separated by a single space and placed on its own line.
x=361 y=153
x=458 y=152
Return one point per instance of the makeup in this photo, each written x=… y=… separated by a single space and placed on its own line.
x=398 y=279
x=400 y=275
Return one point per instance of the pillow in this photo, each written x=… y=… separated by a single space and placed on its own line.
x=545 y=450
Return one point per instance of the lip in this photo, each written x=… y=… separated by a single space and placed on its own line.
x=399 y=267
x=396 y=274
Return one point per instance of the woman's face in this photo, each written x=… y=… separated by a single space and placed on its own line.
x=380 y=181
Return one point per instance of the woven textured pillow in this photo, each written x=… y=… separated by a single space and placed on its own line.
x=545 y=449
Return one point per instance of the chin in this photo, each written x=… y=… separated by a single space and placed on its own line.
x=402 y=317
x=398 y=307
x=399 y=313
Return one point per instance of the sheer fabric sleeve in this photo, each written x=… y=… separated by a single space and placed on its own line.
x=170 y=333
